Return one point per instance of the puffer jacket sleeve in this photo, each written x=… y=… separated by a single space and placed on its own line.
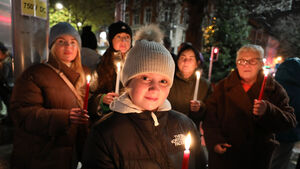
x=28 y=112
x=279 y=115
x=201 y=158
x=96 y=153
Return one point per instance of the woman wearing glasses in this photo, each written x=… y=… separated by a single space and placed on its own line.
x=46 y=106
x=120 y=41
x=239 y=129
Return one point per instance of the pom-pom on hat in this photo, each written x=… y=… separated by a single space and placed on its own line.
x=148 y=55
x=63 y=28
x=118 y=27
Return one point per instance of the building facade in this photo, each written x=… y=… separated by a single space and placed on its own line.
x=170 y=15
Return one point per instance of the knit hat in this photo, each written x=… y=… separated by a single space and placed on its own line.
x=63 y=28
x=148 y=55
x=88 y=38
x=118 y=27
x=188 y=46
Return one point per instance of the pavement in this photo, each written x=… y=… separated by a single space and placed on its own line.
x=294 y=156
x=5 y=152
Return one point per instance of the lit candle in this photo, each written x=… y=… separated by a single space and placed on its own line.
x=87 y=89
x=198 y=75
x=118 y=77
x=186 y=155
x=261 y=93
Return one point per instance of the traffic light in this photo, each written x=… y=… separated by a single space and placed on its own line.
x=215 y=53
x=213 y=57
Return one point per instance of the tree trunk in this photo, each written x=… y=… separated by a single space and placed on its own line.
x=196 y=13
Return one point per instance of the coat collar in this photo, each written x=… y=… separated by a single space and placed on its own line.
x=68 y=72
x=234 y=80
x=180 y=76
x=123 y=104
x=244 y=100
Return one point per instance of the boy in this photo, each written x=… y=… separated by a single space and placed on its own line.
x=143 y=131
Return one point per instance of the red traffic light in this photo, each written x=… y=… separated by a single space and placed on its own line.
x=216 y=50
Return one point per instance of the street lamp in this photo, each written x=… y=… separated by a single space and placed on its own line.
x=59 y=6
x=279 y=59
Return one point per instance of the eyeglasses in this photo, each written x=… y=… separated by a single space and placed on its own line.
x=123 y=38
x=61 y=42
x=253 y=61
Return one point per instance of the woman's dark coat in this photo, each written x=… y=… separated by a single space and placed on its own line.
x=108 y=77
x=182 y=92
x=40 y=105
x=229 y=119
x=288 y=76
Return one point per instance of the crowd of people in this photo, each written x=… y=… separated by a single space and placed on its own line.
x=144 y=124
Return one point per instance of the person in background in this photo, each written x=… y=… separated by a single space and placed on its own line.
x=239 y=129
x=142 y=131
x=189 y=60
x=120 y=41
x=287 y=76
x=6 y=74
x=181 y=94
x=46 y=106
x=167 y=44
x=89 y=55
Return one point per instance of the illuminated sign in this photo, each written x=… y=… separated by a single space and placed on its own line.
x=35 y=8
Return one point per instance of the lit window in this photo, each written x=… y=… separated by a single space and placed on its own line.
x=136 y=19
x=148 y=16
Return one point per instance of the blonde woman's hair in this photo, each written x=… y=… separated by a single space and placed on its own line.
x=253 y=48
x=76 y=66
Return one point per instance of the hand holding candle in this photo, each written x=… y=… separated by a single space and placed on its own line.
x=87 y=89
x=261 y=93
x=118 y=77
x=186 y=155
x=198 y=76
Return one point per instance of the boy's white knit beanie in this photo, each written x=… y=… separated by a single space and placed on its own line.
x=148 y=55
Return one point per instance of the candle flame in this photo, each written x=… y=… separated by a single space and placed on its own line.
x=88 y=78
x=188 y=141
x=266 y=71
x=198 y=74
x=119 y=66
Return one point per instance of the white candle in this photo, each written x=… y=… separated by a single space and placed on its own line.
x=198 y=74
x=118 y=77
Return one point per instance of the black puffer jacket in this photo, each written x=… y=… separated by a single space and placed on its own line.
x=132 y=141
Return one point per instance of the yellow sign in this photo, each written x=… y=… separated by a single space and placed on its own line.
x=41 y=10
x=28 y=7
x=36 y=8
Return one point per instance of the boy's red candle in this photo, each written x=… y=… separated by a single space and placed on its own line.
x=87 y=89
x=186 y=155
x=261 y=93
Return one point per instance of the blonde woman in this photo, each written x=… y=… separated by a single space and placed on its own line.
x=46 y=106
